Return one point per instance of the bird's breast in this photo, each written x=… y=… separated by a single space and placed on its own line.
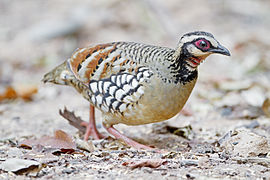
x=161 y=101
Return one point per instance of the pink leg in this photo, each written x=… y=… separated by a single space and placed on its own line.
x=91 y=129
x=127 y=140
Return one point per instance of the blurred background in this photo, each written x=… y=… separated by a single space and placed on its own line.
x=226 y=117
x=37 y=35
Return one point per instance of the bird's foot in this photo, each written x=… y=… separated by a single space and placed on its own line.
x=129 y=141
x=91 y=131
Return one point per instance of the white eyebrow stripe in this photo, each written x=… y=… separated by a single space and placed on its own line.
x=192 y=37
x=212 y=41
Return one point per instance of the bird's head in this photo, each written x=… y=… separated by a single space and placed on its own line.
x=194 y=47
x=59 y=75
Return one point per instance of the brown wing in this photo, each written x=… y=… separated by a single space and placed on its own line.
x=99 y=62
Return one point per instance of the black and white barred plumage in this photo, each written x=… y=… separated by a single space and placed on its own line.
x=116 y=93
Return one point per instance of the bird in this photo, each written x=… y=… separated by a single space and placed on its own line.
x=134 y=83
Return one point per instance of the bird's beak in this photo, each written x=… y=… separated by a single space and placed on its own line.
x=47 y=78
x=221 y=50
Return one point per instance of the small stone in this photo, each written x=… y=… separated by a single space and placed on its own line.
x=244 y=143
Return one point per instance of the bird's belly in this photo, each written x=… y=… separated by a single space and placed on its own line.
x=159 y=103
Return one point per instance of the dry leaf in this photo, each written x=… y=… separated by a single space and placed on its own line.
x=164 y=128
x=61 y=141
x=24 y=92
x=185 y=132
x=266 y=107
x=21 y=166
x=152 y=163
x=43 y=157
x=73 y=119
x=9 y=93
x=85 y=145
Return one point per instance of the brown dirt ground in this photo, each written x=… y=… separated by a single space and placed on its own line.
x=227 y=134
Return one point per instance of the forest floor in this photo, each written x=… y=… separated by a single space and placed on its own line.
x=225 y=134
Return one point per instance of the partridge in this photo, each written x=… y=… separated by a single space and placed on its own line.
x=134 y=83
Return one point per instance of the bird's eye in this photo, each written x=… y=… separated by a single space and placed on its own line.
x=202 y=44
x=64 y=75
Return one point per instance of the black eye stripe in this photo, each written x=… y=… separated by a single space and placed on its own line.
x=185 y=45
